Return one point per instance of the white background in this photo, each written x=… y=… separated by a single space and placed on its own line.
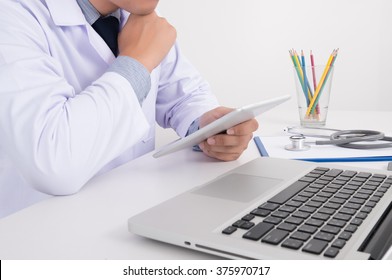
x=241 y=47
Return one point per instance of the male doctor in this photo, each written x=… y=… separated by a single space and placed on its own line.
x=73 y=104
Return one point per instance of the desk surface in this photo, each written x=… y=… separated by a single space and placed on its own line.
x=93 y=223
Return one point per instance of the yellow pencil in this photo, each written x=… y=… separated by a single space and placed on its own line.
x=320 y=84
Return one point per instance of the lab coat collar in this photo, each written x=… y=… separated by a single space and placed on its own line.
x=66 y=13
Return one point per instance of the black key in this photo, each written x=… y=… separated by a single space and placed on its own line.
x=289 y=192
x=357 y=200
x=352 y=205
x=260 y=212
x=269 y=206
x=337 y=223
x=327 y=178
x=330 y=190
x=337 y=200
x=361 y=215
x=307 y=179
x=307 y=209
x=294 y=203
x=366 y=209
x=306 y=194
x=364 y=175
x=286 y=226
x=356 y=222
x=295 y=221
x=288 y=209
x=355 y=183
x=247 y=225
x=314 y=204
x=330 y=229
x=346 y=191
x=280 y=214
x=381 y=176
x=333 y=172
x=324 y=236
x=311 y=190
x=272 y=220
x=345 y=235
x=315 y=246
x=325 y=194
x=342 y=196
x=292 y=244
x=308 y=229
x=300 y=198
x=321 y=216
x=339 y=243
x=347 y=211
x=383 y=190
x=313 y=175
x=275 y=237
x=348 y=173
x=229 y=230
x=258 y=231
x=351 y=187
x=369 y=192
x=343 y=217
x=369 y=187
x=359 y=179
x=300 y=214
x=332 y=205
x=248 y=217
x=314 y=222
x=374 y=198
x=351 y=228
x=331 y=252
x=322 y=182
x=322 y=170
x=378 y=194
x=371 y=204
x=300 y=236
x=238 y=223
x=361 y=195
x=316 y=186
x=319 y=199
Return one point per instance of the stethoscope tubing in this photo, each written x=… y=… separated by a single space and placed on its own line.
x=352 y=139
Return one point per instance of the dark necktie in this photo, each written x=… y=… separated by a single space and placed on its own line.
x=108 y=28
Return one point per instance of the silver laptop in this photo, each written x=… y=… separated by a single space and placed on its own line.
x=279 y=209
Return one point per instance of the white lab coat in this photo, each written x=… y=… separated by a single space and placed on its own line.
x=63 y=119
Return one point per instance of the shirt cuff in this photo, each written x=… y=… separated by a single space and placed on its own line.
x=137 y=75
x=193 y=127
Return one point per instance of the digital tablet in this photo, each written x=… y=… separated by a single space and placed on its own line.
x=229 y=120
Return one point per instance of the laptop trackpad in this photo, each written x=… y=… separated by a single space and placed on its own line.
x=238 y=187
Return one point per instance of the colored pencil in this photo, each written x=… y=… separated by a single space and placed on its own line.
x=314 y=78
x=321 y=84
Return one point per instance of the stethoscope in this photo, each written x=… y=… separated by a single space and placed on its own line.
x=343 y=138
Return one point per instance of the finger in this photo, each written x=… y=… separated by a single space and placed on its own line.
x=244 y=128
x=229 y=140
x=225 y=149
x=218 y=155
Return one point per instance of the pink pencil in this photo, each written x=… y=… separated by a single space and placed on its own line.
x=314 y=78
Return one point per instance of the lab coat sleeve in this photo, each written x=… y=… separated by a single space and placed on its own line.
x=183 y=95
x=57 y=137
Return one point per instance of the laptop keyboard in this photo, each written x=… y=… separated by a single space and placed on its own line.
x=318 y=213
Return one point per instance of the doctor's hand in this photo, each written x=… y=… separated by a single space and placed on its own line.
x=230 y=145
x=146 y=38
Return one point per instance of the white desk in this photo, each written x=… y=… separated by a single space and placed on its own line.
x=93 y=223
